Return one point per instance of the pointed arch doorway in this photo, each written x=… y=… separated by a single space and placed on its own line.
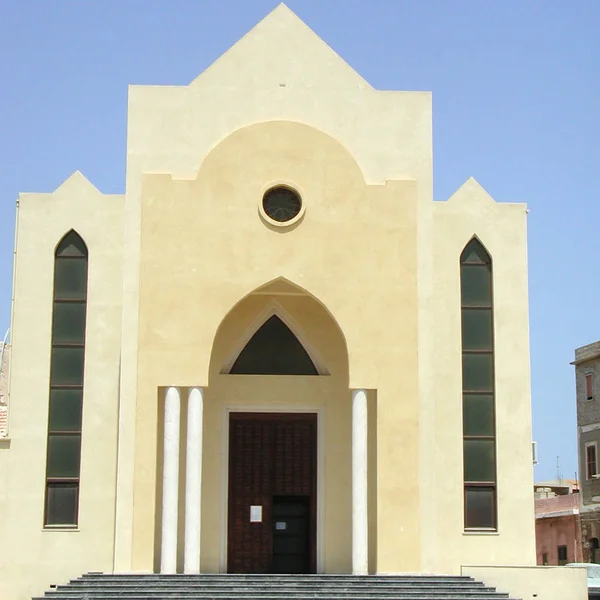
x=279 y=367
x=272 y=512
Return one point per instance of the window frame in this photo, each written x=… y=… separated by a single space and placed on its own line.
x=491 y=485
x=588 y=475
x=589 y=386
x=71 y=237
x=562 y=561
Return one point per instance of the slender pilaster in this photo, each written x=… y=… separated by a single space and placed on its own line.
x=168 y=555
x=193 y=481
x=360 y=557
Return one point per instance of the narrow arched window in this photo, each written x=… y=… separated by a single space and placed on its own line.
x=478 y=389
x=66 y=382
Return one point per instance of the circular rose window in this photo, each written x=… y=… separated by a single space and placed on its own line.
x=281 y=204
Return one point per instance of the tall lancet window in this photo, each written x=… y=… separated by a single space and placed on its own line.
x=479 y=438
x=66 y=382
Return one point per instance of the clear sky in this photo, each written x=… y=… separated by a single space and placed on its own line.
x=516 y=99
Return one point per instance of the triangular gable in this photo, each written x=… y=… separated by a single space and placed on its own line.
x=76 y=181
x=281 y=51
x=471 y=192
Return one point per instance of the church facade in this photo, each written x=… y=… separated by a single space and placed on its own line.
x=275 y=352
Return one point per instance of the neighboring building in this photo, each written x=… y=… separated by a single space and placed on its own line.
x=275 y=338
x=557 y=524
x=587 y=383
x=4 y=366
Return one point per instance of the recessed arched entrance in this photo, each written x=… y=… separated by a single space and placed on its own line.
x=264 y=469
x=279 y=401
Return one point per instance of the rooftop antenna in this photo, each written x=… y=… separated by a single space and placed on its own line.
x=558 y=473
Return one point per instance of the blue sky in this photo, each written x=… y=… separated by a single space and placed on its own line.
x=516 y=91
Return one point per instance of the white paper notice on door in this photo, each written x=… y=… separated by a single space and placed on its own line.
x=256 y=514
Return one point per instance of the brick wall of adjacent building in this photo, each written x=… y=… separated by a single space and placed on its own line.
x=557 y=523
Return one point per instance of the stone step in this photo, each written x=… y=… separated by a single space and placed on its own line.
x=98 y=586
x=246 y=591
x=144 y=595
x=188 y=581
x=280 y=583
x=279 y=578
x=78 y=588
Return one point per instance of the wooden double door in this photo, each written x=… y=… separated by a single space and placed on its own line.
x=272 y=493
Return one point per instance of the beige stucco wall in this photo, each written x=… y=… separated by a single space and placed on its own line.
x=32 y=558
x=534 y=583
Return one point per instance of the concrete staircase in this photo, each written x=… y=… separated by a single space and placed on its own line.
x=97 y=586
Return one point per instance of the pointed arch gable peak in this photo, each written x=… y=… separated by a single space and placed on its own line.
x=72 y=237
x=274 y=309
x=294 y=286
x=294 y=49
x=77 y=180
x=279 y=286
x=471 y=192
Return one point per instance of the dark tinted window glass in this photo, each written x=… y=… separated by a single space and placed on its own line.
x=67 y=366
x=65 y=410
x=71 y=245
x=281 y=204
x=478 y=372
x=479 y=505
x=475 y=253
x=66 y=369
x=478 y=386
x=70 y=278
x=274 y=350
x=61 y=503
x=69 y=323
x=562 y=555
x=479 y=460
x=63 y=455
x=478 y=414
x=476 y=329
x=476 y=288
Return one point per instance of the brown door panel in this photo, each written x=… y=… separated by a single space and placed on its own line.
x=269 y=455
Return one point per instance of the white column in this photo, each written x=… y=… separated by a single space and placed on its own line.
x=170 y=492
x=360 y=531
x=193 y=481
